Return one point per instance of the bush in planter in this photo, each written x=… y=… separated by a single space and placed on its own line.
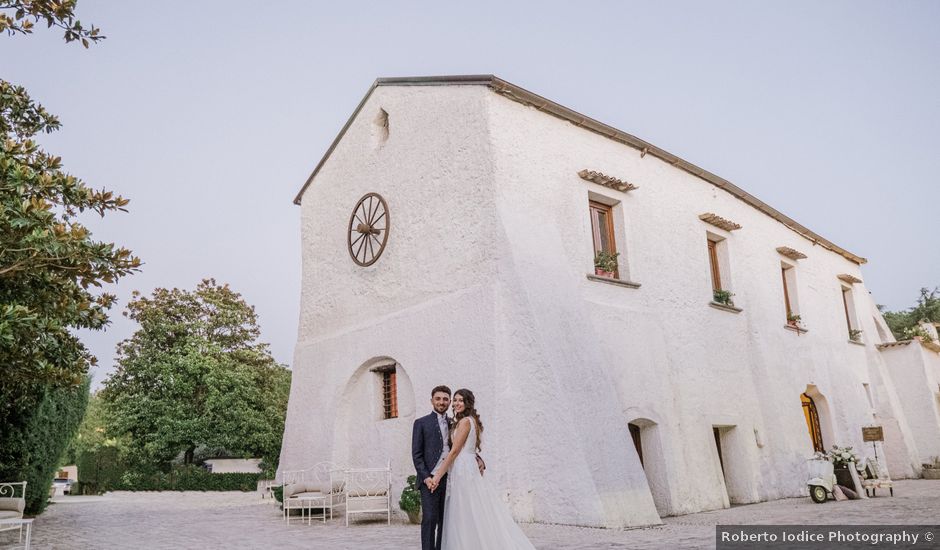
x=606 y=262
x=410 y=500
x=932 y=468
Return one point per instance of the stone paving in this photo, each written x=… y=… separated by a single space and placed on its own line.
x=243 y=520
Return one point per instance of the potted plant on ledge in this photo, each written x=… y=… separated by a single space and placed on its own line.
x=932 y=468
x=605 y=264
x=410 y=501
x=855 y=335
x=794 y=321
x=723 y=297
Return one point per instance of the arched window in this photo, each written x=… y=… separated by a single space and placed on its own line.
x=812 y=422
x=389 y=388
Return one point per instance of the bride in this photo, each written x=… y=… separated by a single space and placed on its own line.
x=474 y=516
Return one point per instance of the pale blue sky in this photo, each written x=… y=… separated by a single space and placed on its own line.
x=209 y=116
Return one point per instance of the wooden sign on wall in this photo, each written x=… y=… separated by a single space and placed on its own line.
x=873 y=433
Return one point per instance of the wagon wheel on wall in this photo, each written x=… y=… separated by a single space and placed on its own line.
x=368 y=229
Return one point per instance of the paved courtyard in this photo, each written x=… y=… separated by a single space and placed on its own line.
x=243 y=520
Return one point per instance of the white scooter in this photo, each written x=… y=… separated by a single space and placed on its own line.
x=822 y=479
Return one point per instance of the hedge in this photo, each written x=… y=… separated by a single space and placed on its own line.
x=99 y=471
x=191 y=478
x=37 y=422
x=108 y=470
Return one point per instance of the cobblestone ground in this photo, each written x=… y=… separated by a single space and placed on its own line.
x=243 y=520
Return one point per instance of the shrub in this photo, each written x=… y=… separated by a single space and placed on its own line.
x=188 y=478
x=410 y=500
x=100 y=470
x=37 y=422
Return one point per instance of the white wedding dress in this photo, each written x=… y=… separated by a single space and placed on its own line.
x=475 y=518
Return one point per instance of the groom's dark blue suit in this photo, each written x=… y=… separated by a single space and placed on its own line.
x=427 y=444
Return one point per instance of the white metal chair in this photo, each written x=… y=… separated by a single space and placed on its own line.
x=12 y=504
x=368 y=491
x=877 y=478
x=265 y=487
x=318 y=487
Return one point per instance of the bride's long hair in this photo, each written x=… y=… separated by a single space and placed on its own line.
x=469 y=409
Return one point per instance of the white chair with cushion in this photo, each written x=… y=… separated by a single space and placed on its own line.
x=876 y=478
x=318 y=487
x=12 y=504
x=368 y=491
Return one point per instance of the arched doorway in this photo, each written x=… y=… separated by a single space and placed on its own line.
x=812 y=422
x=646 y=439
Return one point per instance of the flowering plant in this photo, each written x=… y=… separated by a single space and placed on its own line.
x=841 y=456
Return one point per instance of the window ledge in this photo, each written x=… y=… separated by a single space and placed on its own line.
x=612 y=281
x=797 y=330
x=856 y=343
x=725 y=307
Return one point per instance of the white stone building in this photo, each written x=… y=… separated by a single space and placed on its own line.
x=496 y=201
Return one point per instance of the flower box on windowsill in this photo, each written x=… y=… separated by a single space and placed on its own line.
x=725 y=307
x=796 y=329
x=601 y=273
x=613 y=281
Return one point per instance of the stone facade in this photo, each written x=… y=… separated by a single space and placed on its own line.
x=488 y=282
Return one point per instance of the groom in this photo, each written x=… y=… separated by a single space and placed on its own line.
x=430 y=443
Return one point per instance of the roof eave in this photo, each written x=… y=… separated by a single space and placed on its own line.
x=521 y=95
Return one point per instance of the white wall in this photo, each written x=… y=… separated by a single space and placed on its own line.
x=916 y=373
x=235 y=465
x=427 y=303
x=672 y=358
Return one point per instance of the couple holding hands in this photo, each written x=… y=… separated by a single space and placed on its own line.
x=460 y=508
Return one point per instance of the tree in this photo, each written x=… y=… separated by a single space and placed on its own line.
x=50 y=268
x=49 y=262
x=55 y=13
x=194 y=376
x=904 y=324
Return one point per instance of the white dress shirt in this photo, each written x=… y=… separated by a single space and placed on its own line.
x=445 y=436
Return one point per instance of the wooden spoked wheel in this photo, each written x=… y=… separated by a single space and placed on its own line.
x=368 y=229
